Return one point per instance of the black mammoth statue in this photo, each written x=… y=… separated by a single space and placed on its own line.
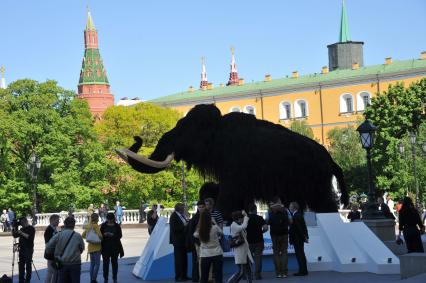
x=251 y=160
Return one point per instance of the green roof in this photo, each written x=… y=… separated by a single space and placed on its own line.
x=92 y=70
x=395 y=67
x=344 y=27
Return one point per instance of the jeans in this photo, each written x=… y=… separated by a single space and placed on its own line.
x=25 y=264
x=206 y=262
x=69 y=273
x=279 y=248
x=257 y=251
x=95 y=262
x=51 y=273
x=119 y=218
x=114 y=263
x=243 y=269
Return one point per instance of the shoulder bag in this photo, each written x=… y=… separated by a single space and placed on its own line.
x=237 y=240
x=57 y=262
x=92 y=237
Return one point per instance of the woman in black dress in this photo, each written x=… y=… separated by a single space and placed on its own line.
x=111 y=246
x=411 y=225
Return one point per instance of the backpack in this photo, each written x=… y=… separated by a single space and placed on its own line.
x=5 y=279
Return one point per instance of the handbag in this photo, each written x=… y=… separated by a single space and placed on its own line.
x=237 y=240
x=57 y=262
x=92 y=237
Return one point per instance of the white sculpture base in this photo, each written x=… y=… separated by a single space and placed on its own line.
x=333 y=246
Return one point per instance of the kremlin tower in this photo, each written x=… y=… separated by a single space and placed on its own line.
x=93 y=85
x=233 y=75
x=204 y=82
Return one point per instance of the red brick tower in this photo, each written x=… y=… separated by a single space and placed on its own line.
x=233 y=75
x=93 y=85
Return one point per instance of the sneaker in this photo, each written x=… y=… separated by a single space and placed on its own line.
x=279 y=276
x=284 y=276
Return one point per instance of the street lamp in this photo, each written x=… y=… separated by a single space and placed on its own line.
x=413 y=151
x=401 y=148
x=367 y=133
x=33 y=167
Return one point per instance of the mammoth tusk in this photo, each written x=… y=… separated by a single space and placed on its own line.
x=151 y=163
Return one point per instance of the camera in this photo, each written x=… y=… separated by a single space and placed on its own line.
x=15 y=224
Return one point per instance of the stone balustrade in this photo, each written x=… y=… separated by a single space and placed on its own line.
x=131 y=216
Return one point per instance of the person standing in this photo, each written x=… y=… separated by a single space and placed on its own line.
x=142 y=214
x=194 y=242
x=93 y=236
x=279 y=221
x=178 y=224
x=217 y=216
x=384 y=208
x=51 y=231
x=242 y=253
x=26 y=249
x=103 y=212
x=411 y=225
x=210 y=250
x=255 y=228
x=152 y=218
x=5 y=221
x=111 y=246
x=354 y=214
x=12 y=217
x=67 y=247
x=298 y=237
x=118 y=209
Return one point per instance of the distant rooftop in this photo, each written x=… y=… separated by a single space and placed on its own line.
x=381 y=69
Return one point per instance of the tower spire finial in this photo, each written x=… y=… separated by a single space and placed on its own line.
x=90 y=25
x=344 y=26
x=2 y=79
x=204 y=82
x=233 y=76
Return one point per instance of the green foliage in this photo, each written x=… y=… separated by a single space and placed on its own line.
x=347 y=152
x=395 y=113
x=301 y=127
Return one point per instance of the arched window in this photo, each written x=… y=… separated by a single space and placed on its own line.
x=250 y=110
x=285 y=110
x=346 y=103
x=301 y=109
x=235 y=109
x=363 y=100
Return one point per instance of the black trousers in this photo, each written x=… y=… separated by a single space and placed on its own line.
x=181 y=262
x=195 y=265
x=206 y=262
x=299 y=250
x=106 y=258
x=25 y=264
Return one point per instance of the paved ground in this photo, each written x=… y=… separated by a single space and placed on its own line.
x=135 y=239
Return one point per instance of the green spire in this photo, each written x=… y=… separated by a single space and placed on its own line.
x=344 y=27
x=92 y=69
x=90 y=25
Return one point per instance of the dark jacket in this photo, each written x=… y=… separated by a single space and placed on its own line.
x=111 y=244
x=192 y=226
x=386 y=211
x=278 y=222
x=49 y=233
x=298 y=230
x=177 y=230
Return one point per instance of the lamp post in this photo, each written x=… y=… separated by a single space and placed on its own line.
x=413 y=138
x=33 y=167
x=367 y=132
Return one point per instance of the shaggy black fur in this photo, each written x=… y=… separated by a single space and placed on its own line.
x=251 y=160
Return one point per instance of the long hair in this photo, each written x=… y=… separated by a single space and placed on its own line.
x=407 y=206
x=204 y=226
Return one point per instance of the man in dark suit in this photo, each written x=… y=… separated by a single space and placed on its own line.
x=178 y=223
x=298 y=237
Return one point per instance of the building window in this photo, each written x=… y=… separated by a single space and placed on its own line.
x=235 y=109
x=285 y=110
x=250 y=110
x=301 y=109
x=363 y=100
x=346 y=103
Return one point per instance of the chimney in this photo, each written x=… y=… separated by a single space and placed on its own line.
x=268 y=78
x=190 y=89
x=388 y=60
x=324 y=70
x=423 y=55
x=355 y=66
x=295 y=74
x=210 y=86
x=241 y=81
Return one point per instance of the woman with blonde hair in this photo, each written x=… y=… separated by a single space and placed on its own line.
x=93 y=236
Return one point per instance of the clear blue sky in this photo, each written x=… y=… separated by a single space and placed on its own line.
x=153 y=48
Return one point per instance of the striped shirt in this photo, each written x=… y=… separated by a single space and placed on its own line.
x=217 y=216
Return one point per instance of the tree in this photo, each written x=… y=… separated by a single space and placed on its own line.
x=301 y=127
x=347 y=152
x=46 y=119
x=395 y=113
